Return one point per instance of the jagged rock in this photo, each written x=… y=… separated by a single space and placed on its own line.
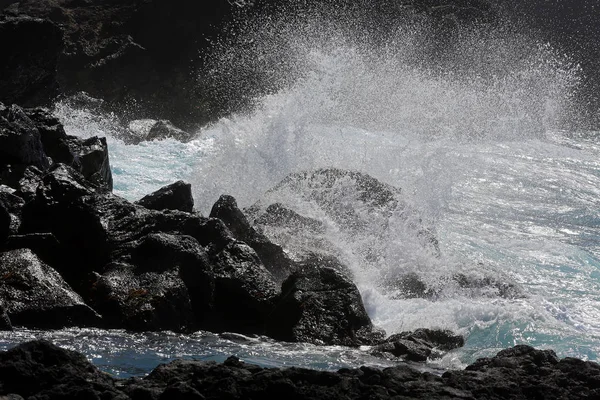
x=54 y=137
x=321 y=306
x=5 y=324
x=271 y=254
x=176 y=196
x=278 y=215
x=30 y=136
x=158 y=252
x=36 y=296
x=92 y=155
x=306 y=209
x=20 y=141
x=28 y=182
x=44 y=245
x=30 y=49
x=244 y=290
x=420 y=344
x=143 y=301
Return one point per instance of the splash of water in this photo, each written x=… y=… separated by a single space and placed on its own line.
x=468 y=132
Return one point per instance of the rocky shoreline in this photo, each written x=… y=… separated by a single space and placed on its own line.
x=40 y=370
x=74 y=254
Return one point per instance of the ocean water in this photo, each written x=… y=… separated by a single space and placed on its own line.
x=481 y=142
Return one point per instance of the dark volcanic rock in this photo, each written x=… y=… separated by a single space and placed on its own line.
x=244 y=290
x=176 y=196
x=44 y=245
x=37 y=297
x=420 y=344
x=306 y=209
x=271 y=254
x=30 y=49
x=41 y=370
x=46 y=371
x=92 y=156
x=20 y=141
x=321 y=306
x=143 y=301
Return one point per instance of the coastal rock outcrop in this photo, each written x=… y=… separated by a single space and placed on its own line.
x=319 y=305
x=420 y=344
x=36 y=296
x=41 y=370
x=176 y=196
x=304 y=205
x=272 y=255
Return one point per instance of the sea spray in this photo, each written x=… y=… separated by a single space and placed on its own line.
x=468 y=132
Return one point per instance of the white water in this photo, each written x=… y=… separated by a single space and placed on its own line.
x=477 y=152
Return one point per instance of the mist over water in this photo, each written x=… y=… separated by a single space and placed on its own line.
x=473 y=128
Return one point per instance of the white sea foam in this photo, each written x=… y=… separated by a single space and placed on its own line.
x=476 y=150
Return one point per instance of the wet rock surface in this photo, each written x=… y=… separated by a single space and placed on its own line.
x=176 y=196
x=36 y=296
x=419 y=345
x=41 y=370
x=321 y=306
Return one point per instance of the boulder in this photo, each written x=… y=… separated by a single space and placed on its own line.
x=142 y=301
x=92 y=155
x=43 y=245
x=20 y=140
x=36 y=296
x=30 y=50
x=176 y=196
x=244 y=290
x=319 y=305
x=420 y=344
x=314 y=211
x=27 y=182
x=44 y=370
x=272 y=255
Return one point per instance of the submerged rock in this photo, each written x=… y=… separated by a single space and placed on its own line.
x=176 y=196
x=36 y=296
x=306 y=209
